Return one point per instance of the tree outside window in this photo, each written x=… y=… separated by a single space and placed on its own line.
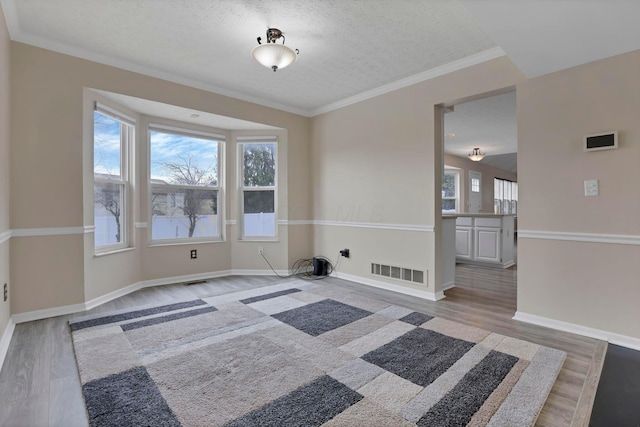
x=184 y=185
x=450 y=192
x=259 y=180
x=111 y=137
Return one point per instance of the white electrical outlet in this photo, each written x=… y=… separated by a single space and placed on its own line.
x=591 y=187
x=260 y=250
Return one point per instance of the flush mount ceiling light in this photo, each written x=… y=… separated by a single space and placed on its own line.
x=273 y=55
x=476 y=156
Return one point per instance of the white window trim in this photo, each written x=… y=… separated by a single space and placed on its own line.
x=241 y=142
x=502 y=200
x=127 y=138
x=185 y=130
x=457 y=196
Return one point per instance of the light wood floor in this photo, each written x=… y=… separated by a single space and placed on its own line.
x=39 y=384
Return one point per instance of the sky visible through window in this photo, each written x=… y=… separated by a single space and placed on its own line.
x=170 y=148
x=165 y=148
x=106 y=145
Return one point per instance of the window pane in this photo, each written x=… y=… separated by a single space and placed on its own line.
x=505 y=195
x=183 y=160
x=475 y=185
x=106 y=146
x=107 y=208
x=259 y=165
x=183 y=213
x=259 y=213
x=448 y=205
x=449 y=185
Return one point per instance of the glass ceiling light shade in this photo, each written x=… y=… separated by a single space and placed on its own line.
x=476 y=156
x=273 y=55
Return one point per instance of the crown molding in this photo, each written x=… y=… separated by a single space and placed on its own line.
x=460 y=64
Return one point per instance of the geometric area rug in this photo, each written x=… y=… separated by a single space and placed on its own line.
x=304 y=354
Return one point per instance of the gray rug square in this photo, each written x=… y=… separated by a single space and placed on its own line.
x=322 y=316
x=129 y=398
x=310 y=405
x=419 y=356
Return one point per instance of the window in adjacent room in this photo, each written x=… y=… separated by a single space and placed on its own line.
x=505 y=196
x=258 y=183
x=112 y=134
x=475 y=185
x=450 y=191
x=185 y=199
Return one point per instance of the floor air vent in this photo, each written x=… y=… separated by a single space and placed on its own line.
x=400 y=273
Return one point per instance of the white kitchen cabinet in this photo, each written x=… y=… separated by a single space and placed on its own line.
x=464 y=242
x=485 y=240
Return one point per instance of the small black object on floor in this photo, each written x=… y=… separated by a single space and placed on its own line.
x=618 y=396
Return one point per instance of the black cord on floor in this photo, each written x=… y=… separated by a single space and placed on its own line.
x=303 y=268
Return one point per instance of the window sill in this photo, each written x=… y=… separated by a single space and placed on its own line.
x=259 y=240
x=113 y=252
x=159 y=243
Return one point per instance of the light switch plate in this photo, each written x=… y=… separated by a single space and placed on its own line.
x=591 y=187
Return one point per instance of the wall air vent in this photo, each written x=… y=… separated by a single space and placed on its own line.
x=400 y=273
x=601 y=141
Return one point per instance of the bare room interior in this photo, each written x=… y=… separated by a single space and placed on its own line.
x=385 y=213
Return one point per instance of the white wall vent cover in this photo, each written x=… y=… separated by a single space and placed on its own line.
x=400 y=273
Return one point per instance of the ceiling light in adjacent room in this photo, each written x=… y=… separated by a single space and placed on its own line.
x=449 y=135
x=273 y=55
x=476 y=156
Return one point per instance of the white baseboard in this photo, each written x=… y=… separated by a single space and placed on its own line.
x=153 y=282
x=5 y=340
x=612 y=337
x=88 y=305
x=47 y=312
x=236 y=272
x=448 y=285
x=431 y=296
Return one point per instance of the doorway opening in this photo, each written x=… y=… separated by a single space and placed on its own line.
x=479 y=145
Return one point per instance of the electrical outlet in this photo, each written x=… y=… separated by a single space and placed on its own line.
x=6 y=292
x=260 y=250
x=194 y=253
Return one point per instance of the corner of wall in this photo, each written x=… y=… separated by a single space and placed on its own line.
x=6 y=326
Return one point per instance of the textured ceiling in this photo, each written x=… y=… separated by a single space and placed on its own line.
x=489 y=124
x=346 y=47
x=349 y=49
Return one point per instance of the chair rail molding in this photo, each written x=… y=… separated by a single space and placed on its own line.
x=617 y=239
